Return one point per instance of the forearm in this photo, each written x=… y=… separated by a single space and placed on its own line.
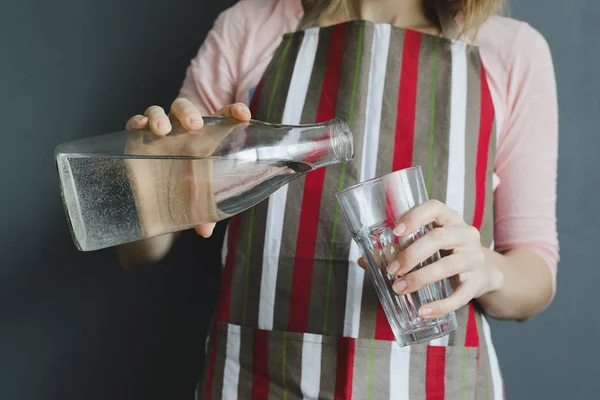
x=143 y=252
x=522 y=285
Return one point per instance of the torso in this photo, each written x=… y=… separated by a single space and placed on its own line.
x=296 y=316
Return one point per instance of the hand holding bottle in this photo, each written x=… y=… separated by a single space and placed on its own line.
x=143 y=185
x=184 y=116
x=184 y=113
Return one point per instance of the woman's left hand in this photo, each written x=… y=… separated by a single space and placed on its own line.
x=467 y=259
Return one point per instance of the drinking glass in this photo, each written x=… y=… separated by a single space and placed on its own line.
x=372 y=209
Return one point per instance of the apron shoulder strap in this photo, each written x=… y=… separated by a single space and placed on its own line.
x=448 y=24
x=312 y=11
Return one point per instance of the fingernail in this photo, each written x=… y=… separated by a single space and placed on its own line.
x=161 y=123
x=400 y=285
x=244 y=111
x=425 y=311
x=196 y=119
x=393 y=267
x=400 y=229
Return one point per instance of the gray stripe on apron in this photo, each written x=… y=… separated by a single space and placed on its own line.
x=424 y=110
x=441 y=140
x=472 y=134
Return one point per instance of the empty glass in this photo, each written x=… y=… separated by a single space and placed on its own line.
x=372 y=210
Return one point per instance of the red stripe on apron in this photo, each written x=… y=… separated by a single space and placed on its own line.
x=260 y=365
x=313 y=189
x=407 y=101
x=471 y=335
x=403 y=142
x=485 y=133
x=224 y=301
x=316 y=155
x=435 y=373
x=383 y=330
x=211 y=367
x=345 y=369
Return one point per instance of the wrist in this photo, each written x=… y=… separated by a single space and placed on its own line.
x=495 y=275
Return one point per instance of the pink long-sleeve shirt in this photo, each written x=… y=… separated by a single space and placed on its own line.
x=520 y=73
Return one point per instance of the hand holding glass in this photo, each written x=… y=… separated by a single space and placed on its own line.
x=372 y=209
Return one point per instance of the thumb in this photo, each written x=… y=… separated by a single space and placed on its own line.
x=205 y=230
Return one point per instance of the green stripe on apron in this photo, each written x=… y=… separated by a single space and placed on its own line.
x=434 y=78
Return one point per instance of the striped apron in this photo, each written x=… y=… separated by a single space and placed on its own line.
x=296 y=317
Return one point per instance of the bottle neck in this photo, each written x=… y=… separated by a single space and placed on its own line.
x=306 y=146
x=326 y=144
x=342 y=141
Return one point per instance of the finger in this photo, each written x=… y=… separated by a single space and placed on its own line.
x=205 y=230
x=453 y=237
x=432 y=211
x=456 y=300
x=432 y=273
x=238 y=110
x=158 y=120
x=361 y=263
x=137 y=122
x=187 y=114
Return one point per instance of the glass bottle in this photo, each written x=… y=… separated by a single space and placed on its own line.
x=127 y=186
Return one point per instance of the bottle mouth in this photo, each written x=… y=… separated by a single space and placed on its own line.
x=342 y=141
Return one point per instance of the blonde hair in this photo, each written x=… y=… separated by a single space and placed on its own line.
x=473 y=13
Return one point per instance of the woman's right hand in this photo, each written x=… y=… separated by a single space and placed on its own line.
x=184 y=114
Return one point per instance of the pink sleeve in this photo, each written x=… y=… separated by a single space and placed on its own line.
x=237 y=51
x=527 y=153
x=211 y=78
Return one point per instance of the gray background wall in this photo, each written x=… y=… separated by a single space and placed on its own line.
x=75 y=326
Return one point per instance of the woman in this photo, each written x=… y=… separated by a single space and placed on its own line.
x=442 y=84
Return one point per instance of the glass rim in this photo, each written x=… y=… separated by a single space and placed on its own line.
x=377 y=179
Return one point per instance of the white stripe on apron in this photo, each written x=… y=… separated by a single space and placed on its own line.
x=311 y=366
x=455 y=189
x=232 y=363
x=494 y=365
x=399 y=372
